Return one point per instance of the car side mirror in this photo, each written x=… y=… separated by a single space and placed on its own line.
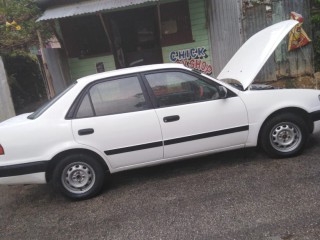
x=223 y=92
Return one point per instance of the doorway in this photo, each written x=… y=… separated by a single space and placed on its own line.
x=136 y=37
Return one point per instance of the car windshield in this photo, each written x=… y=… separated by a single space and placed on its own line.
x=48 y=104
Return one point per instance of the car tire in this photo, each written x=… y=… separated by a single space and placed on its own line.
x=284 y=135
x=79 y=176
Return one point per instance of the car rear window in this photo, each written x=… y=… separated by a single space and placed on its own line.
x=113 y=97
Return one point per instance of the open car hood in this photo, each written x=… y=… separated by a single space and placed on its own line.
x=253 y=54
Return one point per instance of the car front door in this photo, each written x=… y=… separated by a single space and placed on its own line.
x=193 y=116
x=116 y=117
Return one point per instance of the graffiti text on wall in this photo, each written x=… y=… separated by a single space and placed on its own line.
x=192 y=58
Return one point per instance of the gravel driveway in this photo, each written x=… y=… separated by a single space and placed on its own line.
x=236 y=195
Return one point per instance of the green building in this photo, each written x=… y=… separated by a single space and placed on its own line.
x=103 y=35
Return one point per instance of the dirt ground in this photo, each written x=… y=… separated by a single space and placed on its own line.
x=238 y=195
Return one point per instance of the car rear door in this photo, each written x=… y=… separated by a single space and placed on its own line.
x=192 y=115
x=115 y=116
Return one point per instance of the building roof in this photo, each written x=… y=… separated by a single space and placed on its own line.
x=86 y=7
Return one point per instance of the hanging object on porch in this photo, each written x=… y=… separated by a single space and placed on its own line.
x=298 y=37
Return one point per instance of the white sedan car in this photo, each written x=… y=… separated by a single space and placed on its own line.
x=148 y=115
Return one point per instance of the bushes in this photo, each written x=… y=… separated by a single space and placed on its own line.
x=24 y=78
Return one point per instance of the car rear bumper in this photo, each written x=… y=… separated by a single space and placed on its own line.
x=316 y=126
x=27 y=173
x=34 y=178
x=315 y=116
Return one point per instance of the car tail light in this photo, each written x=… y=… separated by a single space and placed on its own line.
x=1 y=150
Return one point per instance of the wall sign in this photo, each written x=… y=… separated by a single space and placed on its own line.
x=192 y=58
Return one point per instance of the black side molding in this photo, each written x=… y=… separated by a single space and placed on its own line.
x=206 y=135
x=177 y=140
x=134 y=148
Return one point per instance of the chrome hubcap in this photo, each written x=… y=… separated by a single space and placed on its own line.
x=78 y=177
x=285 y=137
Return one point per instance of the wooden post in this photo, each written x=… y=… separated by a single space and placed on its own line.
x=106 y=31
x=51 y=90
x=159 y=19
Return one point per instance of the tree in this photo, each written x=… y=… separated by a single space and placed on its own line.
x=18 y=31
x=6 y=104
x=18 y=25
x=2 y=9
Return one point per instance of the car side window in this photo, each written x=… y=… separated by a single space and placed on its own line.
x=175 y=88
x=113 y=97
x=85 y=109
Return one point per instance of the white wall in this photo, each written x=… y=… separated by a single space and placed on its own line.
x=6 y=105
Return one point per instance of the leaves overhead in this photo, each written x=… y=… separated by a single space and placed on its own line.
x=25 y=14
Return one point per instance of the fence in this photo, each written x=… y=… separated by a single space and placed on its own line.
x=247 y=17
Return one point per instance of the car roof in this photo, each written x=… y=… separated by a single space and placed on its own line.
x=130 y=70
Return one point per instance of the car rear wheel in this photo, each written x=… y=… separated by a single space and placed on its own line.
x=79 y=176
x=284 y=135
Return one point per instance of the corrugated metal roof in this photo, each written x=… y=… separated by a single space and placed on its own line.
x=87 y=7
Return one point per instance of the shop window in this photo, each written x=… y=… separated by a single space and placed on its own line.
x=84 y=36
x=175 y=23
x=136 y=36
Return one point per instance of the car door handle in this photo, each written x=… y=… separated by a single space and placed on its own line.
x=86 y=131
x=171 y=118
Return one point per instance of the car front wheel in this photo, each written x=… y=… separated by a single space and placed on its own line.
x=79 y=176
x=284 y=135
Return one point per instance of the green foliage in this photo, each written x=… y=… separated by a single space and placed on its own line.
x=24 y=78
x=315 y=19
x=316 y=47
x=24 y=13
